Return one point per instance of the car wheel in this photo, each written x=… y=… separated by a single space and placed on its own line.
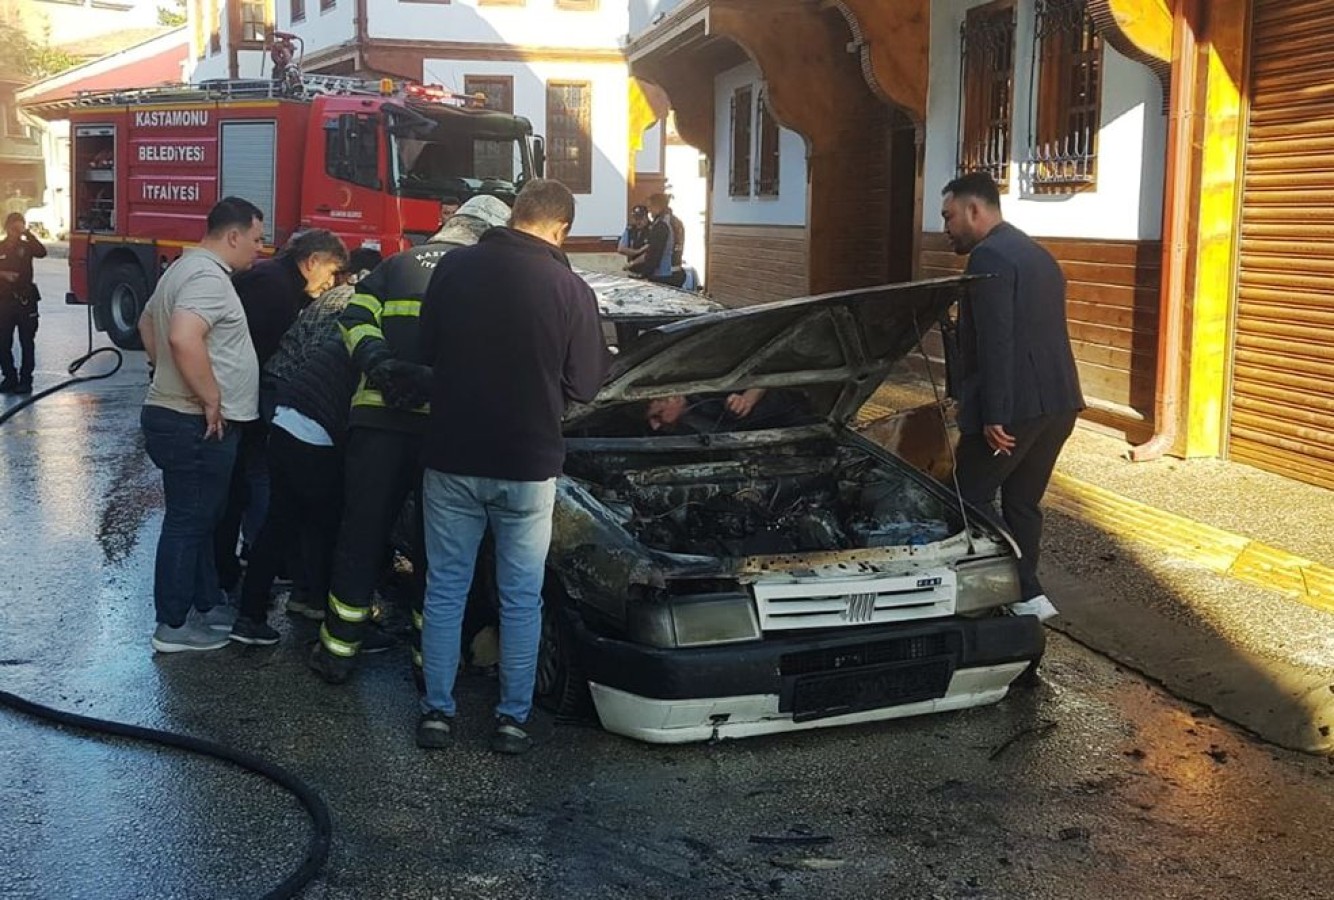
x=1029 y=678
x=122 y=294
x=561 y=685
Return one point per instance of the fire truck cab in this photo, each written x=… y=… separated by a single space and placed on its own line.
x=371 y=161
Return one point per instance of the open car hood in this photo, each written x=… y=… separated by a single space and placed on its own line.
x=836 y=347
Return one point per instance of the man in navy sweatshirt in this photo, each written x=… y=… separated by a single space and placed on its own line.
x=513 y=336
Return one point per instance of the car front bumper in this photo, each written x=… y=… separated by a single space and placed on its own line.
x=799 y=682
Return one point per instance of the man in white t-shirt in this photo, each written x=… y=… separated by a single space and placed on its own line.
x=205 y=380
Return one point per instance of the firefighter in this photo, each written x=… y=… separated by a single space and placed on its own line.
x=18 y=303
x=386 y=424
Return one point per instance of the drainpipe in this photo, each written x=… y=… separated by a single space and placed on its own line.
x=362 y=39
x=1176 y=232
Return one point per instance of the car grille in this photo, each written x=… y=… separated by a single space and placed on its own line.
x=786 y=605
x=833 y=659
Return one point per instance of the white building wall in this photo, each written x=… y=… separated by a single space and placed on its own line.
x=789 y=207
x=689 y=200
x=67 y=21
x=1127 y=201
x=323 y=28
x=537 y=23
x=643 y=12
x=602 y=213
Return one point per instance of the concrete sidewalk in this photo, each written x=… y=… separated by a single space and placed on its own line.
x=1211 y=577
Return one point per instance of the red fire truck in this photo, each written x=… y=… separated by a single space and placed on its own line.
x=370 y=161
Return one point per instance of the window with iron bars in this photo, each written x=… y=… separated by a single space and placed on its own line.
x=986 y=90
x=1066 y=93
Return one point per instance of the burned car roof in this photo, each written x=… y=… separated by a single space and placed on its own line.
x=843 y=343
x=625 y=299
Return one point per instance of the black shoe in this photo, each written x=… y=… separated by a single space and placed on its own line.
x=510 y=738
x=24 y=387
x=249 y=631
x=434 y=730
x=9 y=386
x=377 y=640
x=333 y=669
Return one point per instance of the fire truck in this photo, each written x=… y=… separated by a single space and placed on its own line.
x=371 y=161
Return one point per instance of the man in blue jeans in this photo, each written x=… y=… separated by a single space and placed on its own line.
x=513 y=335
x=205 y=383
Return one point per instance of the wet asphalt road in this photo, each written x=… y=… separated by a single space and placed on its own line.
x=1094 y=784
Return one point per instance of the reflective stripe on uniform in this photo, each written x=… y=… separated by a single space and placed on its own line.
x=357 y=333
x=410 y=308
x=418 y=621
x=335 y=646
x=348 y=613
x=367 y=302
x=417 y=658
x=368 y=396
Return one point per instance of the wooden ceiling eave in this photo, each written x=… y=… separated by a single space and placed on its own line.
x=1140 y=30
x=893 y=42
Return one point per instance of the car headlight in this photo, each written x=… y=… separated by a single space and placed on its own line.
x=986 y=584
x=694 y=620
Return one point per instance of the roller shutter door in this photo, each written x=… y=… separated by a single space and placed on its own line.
x=1283 y=360
x=249 y=163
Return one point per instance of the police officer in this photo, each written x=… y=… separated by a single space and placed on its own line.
x=18 y=303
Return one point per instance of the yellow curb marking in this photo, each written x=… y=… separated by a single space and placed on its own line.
x=1217 y=550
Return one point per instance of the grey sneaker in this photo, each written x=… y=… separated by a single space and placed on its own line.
x=190 y=636
x=509 y=737
x=433 y=730
x=220 y=617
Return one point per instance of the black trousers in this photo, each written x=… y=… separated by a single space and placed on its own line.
x=20 y=317
x=305 y=507
x=382 y=468
x=1021 y=478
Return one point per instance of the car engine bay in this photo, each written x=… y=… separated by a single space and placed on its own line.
x=824 y=497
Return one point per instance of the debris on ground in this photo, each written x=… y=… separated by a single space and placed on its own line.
x=1040 y=729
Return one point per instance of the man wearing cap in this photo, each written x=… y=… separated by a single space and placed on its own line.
x=634 y=240
x=382 y=465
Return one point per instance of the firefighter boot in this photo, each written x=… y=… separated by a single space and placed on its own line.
x=333 y=669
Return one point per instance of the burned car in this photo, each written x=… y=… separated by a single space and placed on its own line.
x=715 y=575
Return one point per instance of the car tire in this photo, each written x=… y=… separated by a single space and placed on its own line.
x=1029 y=678
x=561 y=687
x=122 y=293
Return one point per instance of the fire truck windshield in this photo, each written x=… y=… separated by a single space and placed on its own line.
x=458 y=155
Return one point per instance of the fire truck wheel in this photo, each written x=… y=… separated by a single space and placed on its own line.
x=121 y=296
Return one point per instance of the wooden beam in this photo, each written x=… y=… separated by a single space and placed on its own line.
x=893 y=44
x=1140 y=30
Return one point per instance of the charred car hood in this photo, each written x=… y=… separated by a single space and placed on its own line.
x=846 y=341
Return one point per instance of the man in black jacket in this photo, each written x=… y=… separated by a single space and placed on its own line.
x=272 y=293
x=1019 y=390
x=513 y=335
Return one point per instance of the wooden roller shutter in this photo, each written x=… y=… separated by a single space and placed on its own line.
x=1283 y=360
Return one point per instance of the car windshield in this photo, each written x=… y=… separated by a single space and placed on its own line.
x=459 y=156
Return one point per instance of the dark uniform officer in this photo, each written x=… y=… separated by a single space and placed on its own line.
x=18 y=303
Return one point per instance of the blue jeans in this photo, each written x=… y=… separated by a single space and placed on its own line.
x=457 y=510
x=195 y=476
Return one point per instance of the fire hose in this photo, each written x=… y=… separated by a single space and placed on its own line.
x=317 y=850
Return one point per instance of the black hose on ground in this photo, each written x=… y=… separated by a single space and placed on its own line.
x=317 y=852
